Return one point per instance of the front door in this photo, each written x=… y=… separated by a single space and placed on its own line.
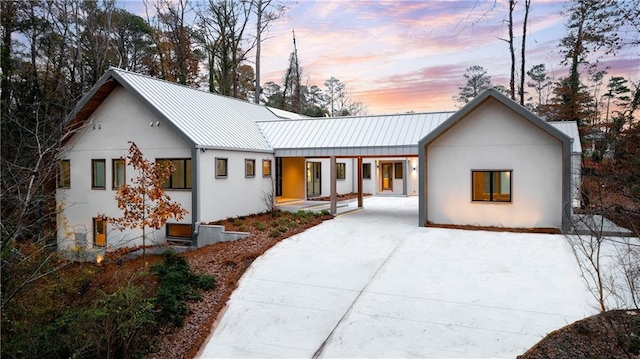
x=99 y=232
x=387 y=176
x=313 y=179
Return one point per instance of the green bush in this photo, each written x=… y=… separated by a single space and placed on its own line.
x=176 y=285
x=259 y=225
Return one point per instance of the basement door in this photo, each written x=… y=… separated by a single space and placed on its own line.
x=99 y=232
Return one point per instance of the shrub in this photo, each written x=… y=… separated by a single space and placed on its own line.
x=177 y=284
x=259 y=225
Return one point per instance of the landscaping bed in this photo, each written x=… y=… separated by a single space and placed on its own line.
x=227 y=261
x=123 y=308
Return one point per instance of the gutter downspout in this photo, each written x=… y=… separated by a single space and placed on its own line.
x=195 y=198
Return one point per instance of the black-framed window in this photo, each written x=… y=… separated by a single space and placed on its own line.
x=491 y=186
x=176 y=230
x=118 y=172
x=249 y=168
x=399 y=170
x=342 y=170
x=98 y=174
x=366 y=170
x=266 y=168
x=64 y=174
x=221 y=168
x=181 y=176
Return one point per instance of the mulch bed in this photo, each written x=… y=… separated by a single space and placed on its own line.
x=497 y=229
x=340 y=197
x=611 y=335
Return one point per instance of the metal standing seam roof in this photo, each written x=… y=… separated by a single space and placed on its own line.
x=569 y=128
x=209 y=120
x=348 y=136
x=213 y=121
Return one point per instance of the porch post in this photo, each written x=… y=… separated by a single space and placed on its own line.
x=333 y=178
x=360 y=182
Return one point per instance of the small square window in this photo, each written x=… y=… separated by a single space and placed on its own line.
x=342 y=170
x=249 y=168
x=64 y=176
x=266 y=168
x=399 y=170
x=119 y=167
x=366 y=170
x=97 y=174
x=221 y=167
x=491 y=186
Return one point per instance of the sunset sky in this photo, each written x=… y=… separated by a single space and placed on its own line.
x=399 y=56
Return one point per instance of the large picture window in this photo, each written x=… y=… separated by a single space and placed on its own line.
x=97 y=174
x=221 y=168
x=491 y=186
x=64 y=176
x=118 y=172
x=181 y=177
x=342 y=171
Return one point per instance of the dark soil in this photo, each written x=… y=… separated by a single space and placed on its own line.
x=611 y=335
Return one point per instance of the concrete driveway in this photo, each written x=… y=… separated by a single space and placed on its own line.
x=373 y=284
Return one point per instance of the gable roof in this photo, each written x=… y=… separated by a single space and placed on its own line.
x=389 y=135
x=204 y=119
x=507 y=102
x=570 y=128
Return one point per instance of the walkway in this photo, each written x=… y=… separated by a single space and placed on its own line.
x=373 y=284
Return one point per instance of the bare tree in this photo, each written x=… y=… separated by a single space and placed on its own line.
x=266 y=11
x=223 y=26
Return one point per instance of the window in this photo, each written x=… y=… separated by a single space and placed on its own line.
x=118 y=167
x=178 y=230
x=366 y=170
x=221 y=167
x=181 y=176
x=398 y=169
x=491 y=186
x=342 y=170
x=64 y=176
x=249 y=168
x=266 y=168
x=97 y=174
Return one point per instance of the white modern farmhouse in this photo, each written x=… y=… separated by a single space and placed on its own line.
x=493 y=163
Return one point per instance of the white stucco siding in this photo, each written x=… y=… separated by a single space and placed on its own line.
x=576 y=179
x=342 y=185
x=236 y=194
x=494 y=138
x=119 y=119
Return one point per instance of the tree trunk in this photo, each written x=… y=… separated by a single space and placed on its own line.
x=527 y=4
x=256 y=95
x=512 y=86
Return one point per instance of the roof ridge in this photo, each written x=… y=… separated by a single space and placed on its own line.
x=117 y=69
x=362 y=116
